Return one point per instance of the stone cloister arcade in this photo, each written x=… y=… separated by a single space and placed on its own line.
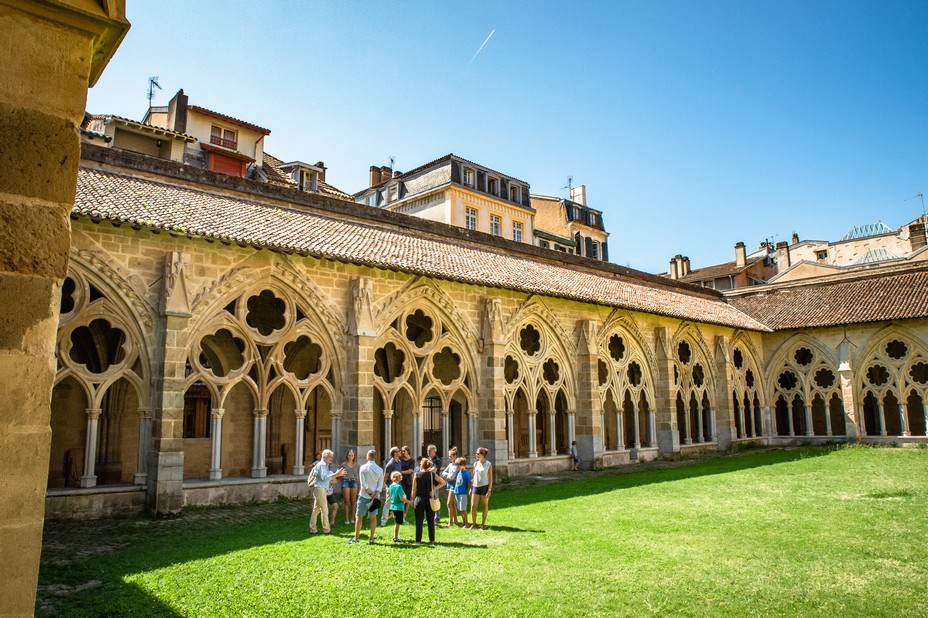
x=267 y=378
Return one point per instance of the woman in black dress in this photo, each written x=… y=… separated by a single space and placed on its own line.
x=424 y=484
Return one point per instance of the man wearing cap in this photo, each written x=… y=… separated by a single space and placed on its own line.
x=371 y=477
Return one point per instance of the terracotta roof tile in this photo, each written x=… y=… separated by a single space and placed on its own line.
x=198 y=212
x=875 y=298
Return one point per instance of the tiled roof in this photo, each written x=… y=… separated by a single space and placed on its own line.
x=718 y=270
x=210 y=112
x=877 y=297
x=433 y=163
x=197 y=212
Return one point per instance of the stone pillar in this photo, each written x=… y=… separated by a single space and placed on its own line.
x=387 y=432
x=259 y=445
x=445 y=431
x=490 y=420
x=652 y=432
x=722 y=422
x=166 y=460
x=215 y=466
x=590 y=430
x=51 y=53
x=89 y=477
x=337 y=436
x=552 y=442
x=789 y=418
x=299 y=455
x=637 y=430
x=827 y=419
x=881 y=416
x=846 y=377
x=472 y=434
x=571 y=427
x=925 y=416
x=863 y=421
x=808 y=413
x=141 y=470
x=619 y=430
x=509 y=435
x=700 y=432
x=532 y=436
x=667 y=434
x=903 y=420
x=359 y=383
x=768 y=427
x=416 y=437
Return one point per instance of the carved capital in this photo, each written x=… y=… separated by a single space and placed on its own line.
x=174 y=298
x=388 y=413
x=145 y=414
x=217 y=412
x=300 y=413
x=260 y=412
x=93 y=413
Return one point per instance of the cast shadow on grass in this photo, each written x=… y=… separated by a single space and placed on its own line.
x=406 y=545
x=647 y=474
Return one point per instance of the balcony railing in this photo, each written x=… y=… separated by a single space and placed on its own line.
x=231 y=144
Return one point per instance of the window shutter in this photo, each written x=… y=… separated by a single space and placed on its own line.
x=605 y=252
x=578 y=240
x=588 y=249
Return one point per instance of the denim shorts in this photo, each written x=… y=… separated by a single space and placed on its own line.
x=364 y=503
x=460 y=502
x=350 y=484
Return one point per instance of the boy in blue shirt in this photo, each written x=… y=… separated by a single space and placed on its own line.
x=397 y=500
x=461 y=488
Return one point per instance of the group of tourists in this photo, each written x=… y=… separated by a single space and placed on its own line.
x=370 y=490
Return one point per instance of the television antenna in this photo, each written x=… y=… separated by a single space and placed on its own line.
x=152 y=84
x=920 y=196
x=392 y=161
x=569 y=186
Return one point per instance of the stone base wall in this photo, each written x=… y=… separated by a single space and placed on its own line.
x=242 y=490
x=539 y=465
x=94 y=503
x=612 y=459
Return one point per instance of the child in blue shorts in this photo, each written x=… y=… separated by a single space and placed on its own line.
x=397 y=498
x=461 y=487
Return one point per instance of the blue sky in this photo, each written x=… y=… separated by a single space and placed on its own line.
x=694 y=125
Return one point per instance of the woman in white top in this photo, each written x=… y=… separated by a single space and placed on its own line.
x=450 y=474
x=482 y=487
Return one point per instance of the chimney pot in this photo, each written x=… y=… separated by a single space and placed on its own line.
x=674 y=274
x=375 y=176
x=782 y=256
x=795 y=238
x=741 y=255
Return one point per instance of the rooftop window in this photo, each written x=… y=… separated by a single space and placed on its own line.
x=468 y=176
x=226 y=138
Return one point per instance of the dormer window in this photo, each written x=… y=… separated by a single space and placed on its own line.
x=492 y=186
x=226 y=138
x=308 y=181
x=394 y=193
x=372 y=199
x=469 y=176
x=515 y=194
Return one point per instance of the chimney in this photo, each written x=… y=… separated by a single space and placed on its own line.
x=795 y=239
x=386 y=173
x=578 y=194
x=375 y=176
x=741 y=255
x=917 y=235
x=686 y=265
x=782 y=256
x=321 y=166
x=673 y=269
x=177 y=112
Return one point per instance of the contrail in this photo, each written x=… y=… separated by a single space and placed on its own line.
x=481 y=46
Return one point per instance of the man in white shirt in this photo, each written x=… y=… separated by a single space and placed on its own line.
x=371 y=477
x=324 y=477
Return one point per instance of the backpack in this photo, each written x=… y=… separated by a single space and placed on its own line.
x=313 y=477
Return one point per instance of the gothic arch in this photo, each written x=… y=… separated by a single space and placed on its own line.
x=693 y=384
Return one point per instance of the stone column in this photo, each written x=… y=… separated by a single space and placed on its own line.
x=416 y=437
x=445 y=431
x=700 y=432
x=299 y=455
x=141 y=470
x=827 y=419
x=768 y=427
x=589 y=430
x=808 y=414
x=259 y=445
x=667 y=434
x=863 y=421
x=387 y=432
x=571 y=427
x=215 y=432
x=903 y=420
x=619 y=430
x=687 y=438
x=789 y=418
x=489 y=421
x=472 y=434
x=532 y=436
x=169 y=363
x=651 y=430
x=51 y=53
x=846 y=377
x=89 y=478
x=337 y=435
x=637 y=430
x=509 y=435
x=359 y=382
x=722 y=419
x=552 y=442
x=881 y=416
x=925 y=415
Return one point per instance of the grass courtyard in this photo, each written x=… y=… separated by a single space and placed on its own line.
x=812 y=531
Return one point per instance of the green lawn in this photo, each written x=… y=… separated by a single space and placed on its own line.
x=801 y=532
